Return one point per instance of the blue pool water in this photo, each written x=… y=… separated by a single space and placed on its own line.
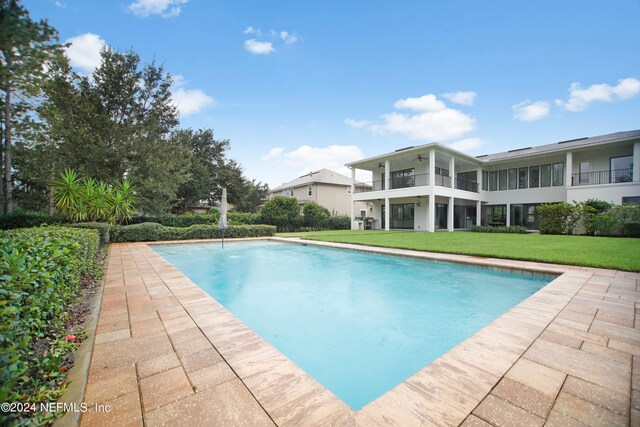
x=358 y=323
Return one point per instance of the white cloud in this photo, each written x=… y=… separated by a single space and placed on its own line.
x=189 y=101
x=424 y=103
x=358 y=123
x=257 y=47
x=251 y=30
x=467 y=144
x=60 y=4
x=463 y=98
x=165 y=8
x=84 y=52
x=305 y=158
x=530 y=111
x=274 y=153
x=433 y=120
x=288 y=38
x=580 y=98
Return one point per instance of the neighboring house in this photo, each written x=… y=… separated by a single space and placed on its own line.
x=433 y=186
x=325 y=187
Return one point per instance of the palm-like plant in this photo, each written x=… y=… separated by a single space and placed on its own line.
x=123 y=199
x=82 y=199
x=68 y=194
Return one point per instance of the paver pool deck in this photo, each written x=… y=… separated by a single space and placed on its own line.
x=166 y=353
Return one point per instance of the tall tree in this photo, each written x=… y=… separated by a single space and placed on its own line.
x=25 y=48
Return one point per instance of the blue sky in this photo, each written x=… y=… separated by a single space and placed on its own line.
x=301 y=85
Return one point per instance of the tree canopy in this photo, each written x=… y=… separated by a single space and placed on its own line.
x=119 y=123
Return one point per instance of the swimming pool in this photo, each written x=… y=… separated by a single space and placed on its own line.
x=359 y=323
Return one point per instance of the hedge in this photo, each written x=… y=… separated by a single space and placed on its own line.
x=40 y=276
x=515 y=229
x=150 y=231
x=104 y=230
x=184 y=220
x=22 y=219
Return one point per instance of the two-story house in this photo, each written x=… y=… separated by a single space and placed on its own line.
x=432 y=186
x=325 y=187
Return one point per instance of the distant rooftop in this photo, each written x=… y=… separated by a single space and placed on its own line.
x=324 y=176
x=561 y=145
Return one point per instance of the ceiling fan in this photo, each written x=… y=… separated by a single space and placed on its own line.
x=420 y=158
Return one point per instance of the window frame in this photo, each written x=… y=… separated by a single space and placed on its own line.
x=560 y=175
x=502 y=179
x=549 y=175
x=523 y=179
x=535 y=184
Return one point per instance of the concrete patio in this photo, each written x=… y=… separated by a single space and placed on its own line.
x=166 y=353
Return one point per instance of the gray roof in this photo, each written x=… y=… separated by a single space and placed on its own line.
x=562 y=146
x=324 y=176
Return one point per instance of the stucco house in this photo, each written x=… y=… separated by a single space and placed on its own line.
x=325 y=187
x=433 y=186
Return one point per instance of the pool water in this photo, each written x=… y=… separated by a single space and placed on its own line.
x=359 y=323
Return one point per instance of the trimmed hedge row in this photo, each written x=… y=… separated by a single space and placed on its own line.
x=22 y=219
x=151 y=231
x=514 y=229
x=184 y=220
x=40 y=276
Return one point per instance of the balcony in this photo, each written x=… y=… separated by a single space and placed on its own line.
x=602 y=177
x=419 y=180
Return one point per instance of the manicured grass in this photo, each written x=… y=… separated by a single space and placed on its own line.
x=604 y=252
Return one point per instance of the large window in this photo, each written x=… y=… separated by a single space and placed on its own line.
x=495 y=215
x=485 y=180
x=503 y=179
x=545 y=176
x=402 y=216
x=534 y=176
x=583 y=170
x=493 y=181
x=513 y=179
x=403 y=178
x=621 y=169
x=558 y=174
x=523 y=178
x=441 y=215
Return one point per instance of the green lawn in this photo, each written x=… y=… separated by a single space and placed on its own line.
x=604 y=252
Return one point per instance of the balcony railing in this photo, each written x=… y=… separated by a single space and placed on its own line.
x=419 y=180
x=602 y=177
x=463 y=184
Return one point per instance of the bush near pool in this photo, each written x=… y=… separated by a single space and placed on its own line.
x=151 y=231
x=41 y=272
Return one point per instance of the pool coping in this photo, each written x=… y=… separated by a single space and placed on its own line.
x=455 y=383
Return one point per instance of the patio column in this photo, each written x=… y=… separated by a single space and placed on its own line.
x=636 y=161
x=387 y=213
x=450 y=214
x=568 y=169
x=432 y=168
x=353 y=215
x=508 y=214
x=431 y=222
x=353 y=180
x=452 y=168
x=479 y=179
x=387 y=178
x=478 y=212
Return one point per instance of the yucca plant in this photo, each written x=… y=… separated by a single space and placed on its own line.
x=99 y=198
x=69 y=193
x=123 y=199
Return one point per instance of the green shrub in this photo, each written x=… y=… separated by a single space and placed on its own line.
x=552 y=218
x=314 y=215
x=243 y=218
x=23 y=219
x=513 y=229
x=283 y=212
x=145 y=232
x=40 y=276
x=631 y=229
x=103 y=229
x=337 y=222
x=150 y=231
x=184 y=220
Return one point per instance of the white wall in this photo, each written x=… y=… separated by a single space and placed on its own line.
x=612 y=193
